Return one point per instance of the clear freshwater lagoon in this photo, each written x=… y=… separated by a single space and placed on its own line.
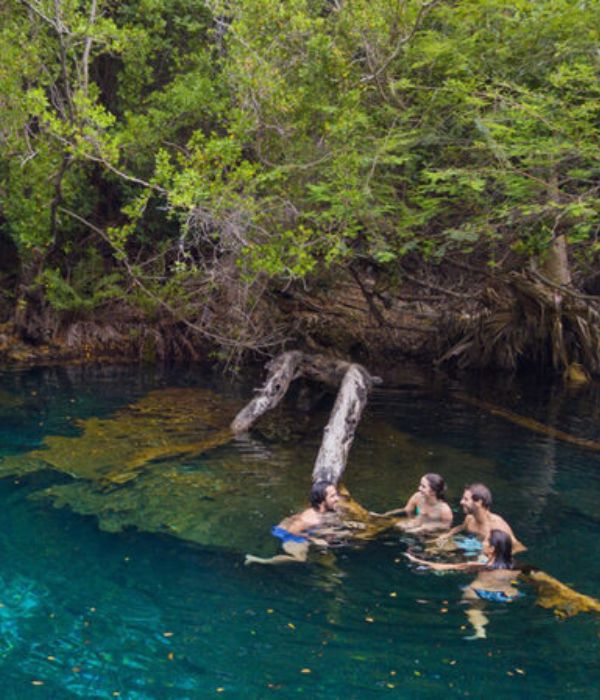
x=128 y=581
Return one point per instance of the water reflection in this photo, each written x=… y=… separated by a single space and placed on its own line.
x=153 y=612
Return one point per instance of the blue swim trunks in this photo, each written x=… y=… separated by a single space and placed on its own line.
x=468 y=544
x=286 y=536
x=496 y=596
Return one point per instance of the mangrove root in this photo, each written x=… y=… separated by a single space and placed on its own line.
x=528 y=319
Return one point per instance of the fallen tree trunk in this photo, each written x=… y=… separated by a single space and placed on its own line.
x=339 y=432
x=338 y=436
x=529 y=423
x=354 y=383
x=282 y=371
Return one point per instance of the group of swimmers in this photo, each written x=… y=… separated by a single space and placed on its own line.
x=426 y=513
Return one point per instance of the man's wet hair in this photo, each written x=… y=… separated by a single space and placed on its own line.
x=437 y=484
x=480 y=493
x=318 y=492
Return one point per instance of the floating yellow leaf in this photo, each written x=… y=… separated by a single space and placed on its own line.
x=305 y=670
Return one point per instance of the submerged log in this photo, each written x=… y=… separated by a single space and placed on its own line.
x=529 y=423
x=553 y=594
x=356 y=518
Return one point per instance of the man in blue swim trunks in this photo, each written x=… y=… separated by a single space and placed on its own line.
x=297 y=531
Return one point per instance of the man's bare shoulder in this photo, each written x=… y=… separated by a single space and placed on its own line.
x=300 y=522
x=497 y=522
x=470 y=524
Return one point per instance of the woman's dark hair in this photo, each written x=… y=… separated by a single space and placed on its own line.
x=502 y=544
x=437 y=484
x=318 y=492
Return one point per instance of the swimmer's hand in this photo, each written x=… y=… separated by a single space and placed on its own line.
x=319 y=541
x=412 y=557
x=388 y=513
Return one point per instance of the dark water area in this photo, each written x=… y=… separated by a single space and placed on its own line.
x=96 y=605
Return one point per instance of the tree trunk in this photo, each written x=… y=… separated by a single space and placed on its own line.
x=338 y=436
x=339 y=432
x=556 y=265
x=282 y=371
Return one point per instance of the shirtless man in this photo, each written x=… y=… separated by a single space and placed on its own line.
x=479 y=521
x=295 y=531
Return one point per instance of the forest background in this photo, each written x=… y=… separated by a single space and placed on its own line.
x=369 y=178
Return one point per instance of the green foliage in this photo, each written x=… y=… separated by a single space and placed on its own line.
x=87 y=288
x=294 y=136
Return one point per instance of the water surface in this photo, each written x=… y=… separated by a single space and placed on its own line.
x=97 y=607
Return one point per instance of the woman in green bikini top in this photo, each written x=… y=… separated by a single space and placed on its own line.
x=426 y=510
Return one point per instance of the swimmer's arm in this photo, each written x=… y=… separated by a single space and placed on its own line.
x=319 y=541
x=516 y=545
x=296 y=524
x=439 y=566
x=336 y=534
x=409 y=509
x=447 y=535
x=388 y=513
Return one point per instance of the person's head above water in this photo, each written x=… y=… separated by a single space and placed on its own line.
x=432 y=484
x=476 y=496
x=324 y=496
x=499 y=546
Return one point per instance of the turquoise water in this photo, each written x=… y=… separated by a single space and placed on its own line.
x=86 y=613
